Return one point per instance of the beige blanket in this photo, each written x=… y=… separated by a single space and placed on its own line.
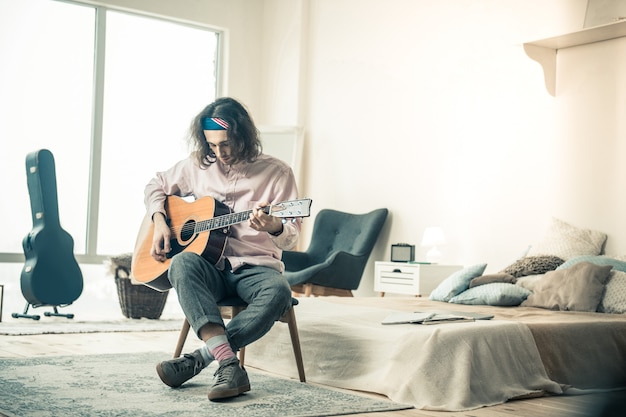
x=455 y=366
x=583 y=350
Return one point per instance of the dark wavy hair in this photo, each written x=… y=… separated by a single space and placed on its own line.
x=242 y=132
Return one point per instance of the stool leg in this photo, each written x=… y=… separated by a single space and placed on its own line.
x=242 y=351
x=242 y=356
x=295 y=342
x=181 y=339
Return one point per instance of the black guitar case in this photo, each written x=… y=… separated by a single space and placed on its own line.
x=51 y=276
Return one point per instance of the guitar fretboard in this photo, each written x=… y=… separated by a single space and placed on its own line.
x=224 y=221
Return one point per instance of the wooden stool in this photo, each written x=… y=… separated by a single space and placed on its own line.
x=237 y=305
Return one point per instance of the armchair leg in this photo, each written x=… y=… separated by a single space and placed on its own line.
x=308 y=290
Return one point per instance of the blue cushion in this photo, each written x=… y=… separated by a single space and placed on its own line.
x=457 y=283
x=597 y=260
x=494 y=294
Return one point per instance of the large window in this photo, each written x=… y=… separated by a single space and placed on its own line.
x=111 y=94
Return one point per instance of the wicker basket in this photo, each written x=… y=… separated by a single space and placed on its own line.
x=139 y=301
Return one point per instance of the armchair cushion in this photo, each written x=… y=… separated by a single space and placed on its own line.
x=340 y=246
x=297 y=260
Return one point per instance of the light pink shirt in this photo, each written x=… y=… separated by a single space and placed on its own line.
x=241 y=187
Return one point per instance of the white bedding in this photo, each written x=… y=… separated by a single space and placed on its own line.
x=452 y=367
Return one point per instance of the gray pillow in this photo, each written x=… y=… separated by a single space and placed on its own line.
x=533 y=265
x=578 y=288
x=491 y=278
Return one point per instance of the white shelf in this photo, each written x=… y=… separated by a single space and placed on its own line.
x=544 y=50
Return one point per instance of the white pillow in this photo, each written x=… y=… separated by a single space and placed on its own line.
x=614 y=298
x=529 y=281
x=567 y=241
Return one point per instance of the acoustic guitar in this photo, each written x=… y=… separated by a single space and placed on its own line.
x=201 y=227
x=50 y=276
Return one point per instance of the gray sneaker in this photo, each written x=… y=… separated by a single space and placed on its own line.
x=232 y=380
x=177 y=371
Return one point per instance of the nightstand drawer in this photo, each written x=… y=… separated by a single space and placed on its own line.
x=398 y=278
x=414 y=279
x=397 y=267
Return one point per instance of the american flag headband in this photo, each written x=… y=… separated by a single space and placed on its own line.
x=214 y=123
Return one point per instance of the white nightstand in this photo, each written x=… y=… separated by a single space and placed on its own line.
x=410 y=278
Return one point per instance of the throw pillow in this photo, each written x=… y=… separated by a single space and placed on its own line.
x=598 y=260
x=533 y=265
x=456 y=283
x=578 y=288
x=567 y=241
x=614 y=298
x=490 y=278
x=494 y=294
x=529 y=281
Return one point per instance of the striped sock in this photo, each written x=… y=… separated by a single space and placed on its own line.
x=208 y=358
x=219 y=348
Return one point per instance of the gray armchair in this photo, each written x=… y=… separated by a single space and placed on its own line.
x=340 y=246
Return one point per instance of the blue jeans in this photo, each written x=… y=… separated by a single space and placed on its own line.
x=200 y=285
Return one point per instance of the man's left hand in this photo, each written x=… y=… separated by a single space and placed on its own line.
x=263 y=222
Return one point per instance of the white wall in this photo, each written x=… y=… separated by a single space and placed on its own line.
x=590 y=175
x=432 y=109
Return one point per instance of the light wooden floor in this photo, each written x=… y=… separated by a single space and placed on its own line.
x=100 y=343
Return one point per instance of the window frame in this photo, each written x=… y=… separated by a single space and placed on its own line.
x=91 y=255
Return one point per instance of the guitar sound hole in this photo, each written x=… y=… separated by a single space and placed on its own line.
x=187 y=232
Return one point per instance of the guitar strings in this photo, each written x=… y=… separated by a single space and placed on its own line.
x=210 y=224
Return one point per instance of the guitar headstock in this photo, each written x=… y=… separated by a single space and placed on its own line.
x=292 y=209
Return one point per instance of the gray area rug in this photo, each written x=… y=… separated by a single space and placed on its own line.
x=61 y=326
x=127 y=385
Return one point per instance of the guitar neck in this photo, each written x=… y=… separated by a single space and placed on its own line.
x=225 y=220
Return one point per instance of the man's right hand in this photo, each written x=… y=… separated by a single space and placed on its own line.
x=161 y=238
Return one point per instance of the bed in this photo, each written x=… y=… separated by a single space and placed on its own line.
x=558 y=327
x=522 y=351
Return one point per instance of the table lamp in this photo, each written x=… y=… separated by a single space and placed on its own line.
x=433 y=237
